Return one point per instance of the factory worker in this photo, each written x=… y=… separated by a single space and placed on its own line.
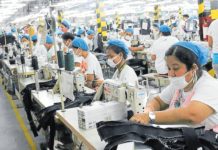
x=155 y=31
x=90 y=39
x=117 y=53
x=49 y=45
x=128 y=40
x=38 y=50
x=191 y=97
x=65 y=26
x=67 y=40
x=25 y=41
x=92 y=68
x=159 y=48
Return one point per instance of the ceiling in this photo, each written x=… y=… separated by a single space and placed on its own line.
x=77 y=10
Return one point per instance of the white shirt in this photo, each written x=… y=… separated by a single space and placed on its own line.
x=50 y=54
x=213 y=32
x=127 y=75
x=40 y=51
x=159 y=48
x=205 y=91
x=93 y=66
x=89 y=43
x=128 y=44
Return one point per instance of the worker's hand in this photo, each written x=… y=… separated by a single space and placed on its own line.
x=140 y=118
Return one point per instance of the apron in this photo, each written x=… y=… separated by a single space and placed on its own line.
x=178 y=101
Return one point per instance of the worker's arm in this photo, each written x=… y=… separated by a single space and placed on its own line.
x=192 y=114
x=135 y=49
x=210 y=41
x=156 y=104
x=89 y=81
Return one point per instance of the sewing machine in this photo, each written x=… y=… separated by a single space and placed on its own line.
x=134 y=95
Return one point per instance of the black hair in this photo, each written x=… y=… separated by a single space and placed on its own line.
x=166 y=33
x=186 y=15
x=75 y=47
x=67 y=36
x=185 y=56
x=117 y=50
x=34 y=41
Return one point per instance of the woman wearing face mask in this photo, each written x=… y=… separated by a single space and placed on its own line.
x=117 y=53
x=128 y=41
x=191 y=98
x=92 y=68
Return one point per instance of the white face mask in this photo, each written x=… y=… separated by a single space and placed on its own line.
x=179 y=82
x=111 y=62
x=128 y=38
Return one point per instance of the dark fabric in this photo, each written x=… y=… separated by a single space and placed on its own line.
x=118 y=132
x=47 y=115
x=28 y=105
x=190 y=138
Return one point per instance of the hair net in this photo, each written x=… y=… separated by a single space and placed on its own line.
x=129 y=30
x=13 y=30
x=200 y=51
x=80 y=31
x=66 y=23
x=165 y=28
x=175 y=24
x=120 y=44
x=89 y=32
x=34 y=37
x=26 y=36
x=49 y=39
x=80 y=43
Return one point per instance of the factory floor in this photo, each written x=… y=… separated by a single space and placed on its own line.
x=15 y=132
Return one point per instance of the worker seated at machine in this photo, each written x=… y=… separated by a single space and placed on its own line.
x=117 y=52
x=39 y=50
x=159 y=48
x=90 y=65
x=49 y=45
x=191 y=97
x=67 y=40
x=128 y=40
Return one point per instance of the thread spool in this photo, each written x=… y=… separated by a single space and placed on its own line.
x=69 y=62
x=60 y=55
x=35 y=63
x=12 y=61
x=6 y=49
x=22 y=59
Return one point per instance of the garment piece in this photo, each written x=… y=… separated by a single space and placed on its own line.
x=213 y=32
x=118 y=132
x=205 y=91
x=93 y=66
x=159 y=48
x=127 y=75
